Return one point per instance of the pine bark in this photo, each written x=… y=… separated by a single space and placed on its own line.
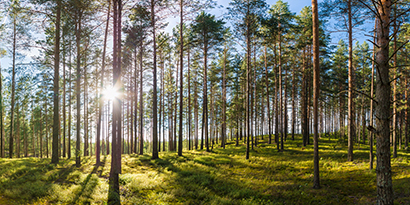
x=78 y=98
x=383 y=109
x=316 y=78
x=56 y=97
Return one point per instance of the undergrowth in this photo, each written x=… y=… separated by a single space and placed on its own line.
x=222 y=176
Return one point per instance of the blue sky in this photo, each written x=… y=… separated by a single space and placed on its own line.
x=294 y=5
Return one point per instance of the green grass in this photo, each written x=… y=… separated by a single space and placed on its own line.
x=222 y=176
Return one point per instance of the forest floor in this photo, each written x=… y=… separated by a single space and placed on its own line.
x=222 y=176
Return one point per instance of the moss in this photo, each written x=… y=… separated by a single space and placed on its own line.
x=222 y=176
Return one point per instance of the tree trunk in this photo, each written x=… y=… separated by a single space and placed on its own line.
x=154 y=98
x=304 y=102
x=293 y=103
x=316 y=78
x=281 y=116
x=196 y=118
x=101 y=101
x=69 y=107
x=205 y=97
x=181 y=67
x=18 y=132
x=268 y=98
x=383 y=109
x=1 y=117
x=351 y=126
x=248 y=90
x=56 y=90
x=223 y=132
x=64 y=100
x=13 y=87
x=189 y=103
x=113 y=196
x=394 y=82
x=141 y=104
x=78 y=127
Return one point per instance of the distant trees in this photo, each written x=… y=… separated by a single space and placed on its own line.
x=246 y=20
x=209 y=32
x=245 y=76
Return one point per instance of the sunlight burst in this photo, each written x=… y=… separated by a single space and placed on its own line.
x=110 y=93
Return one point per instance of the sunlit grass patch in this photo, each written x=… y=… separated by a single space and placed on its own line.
x=222 y=176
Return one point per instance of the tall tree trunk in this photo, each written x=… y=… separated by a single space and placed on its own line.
x=113 y=196
x=18 y=132
x=136 y=101
x=56 y=90
x=46 y=120
x=223 y=133
x=78 y=127
x=141 y=104
x=1 y=117
x=86 y=145
x=303 y=101
x=293 y=102
x=205 y=97
x=163 y=104
x=268 y=97
x=13 y=87
x=69 y=108
x=189 y=103
x=394 y=82
x=101 y=101
x=372 y=96
x=64 y=99
x=383 y=109
x=316 y=78
x=154 y=100
x=248 y=89
x=281 y=115
x=351 y=126
x=196 y=117
x=181 y=67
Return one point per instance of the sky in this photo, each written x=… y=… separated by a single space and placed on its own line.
x=294 y=5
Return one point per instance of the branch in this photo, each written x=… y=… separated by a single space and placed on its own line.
x=405 y=12
x=373 y=43
x=394 y=53
x=374 y=11
x=399 y=66
x=372 y=129
x=395 y=79
x=368 y=96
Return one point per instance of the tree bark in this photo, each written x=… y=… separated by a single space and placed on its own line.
x=268 y=98
x=181 y=68
x=383 y=109
x=1 y=117
x=154 y=98
x=223 y=132
x=78 y=99
x=141 y=104
x=56 y=98
x=101 y=101
x=13 y=87
x=351 y=113
x=316 y=78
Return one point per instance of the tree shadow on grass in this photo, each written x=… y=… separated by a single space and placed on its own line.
x=26 y=179
x=87 y=187
x=196 y=184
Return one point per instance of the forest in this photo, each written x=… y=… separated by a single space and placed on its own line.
x=204 y=102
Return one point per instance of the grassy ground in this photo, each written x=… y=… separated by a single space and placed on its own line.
x=219 y=177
